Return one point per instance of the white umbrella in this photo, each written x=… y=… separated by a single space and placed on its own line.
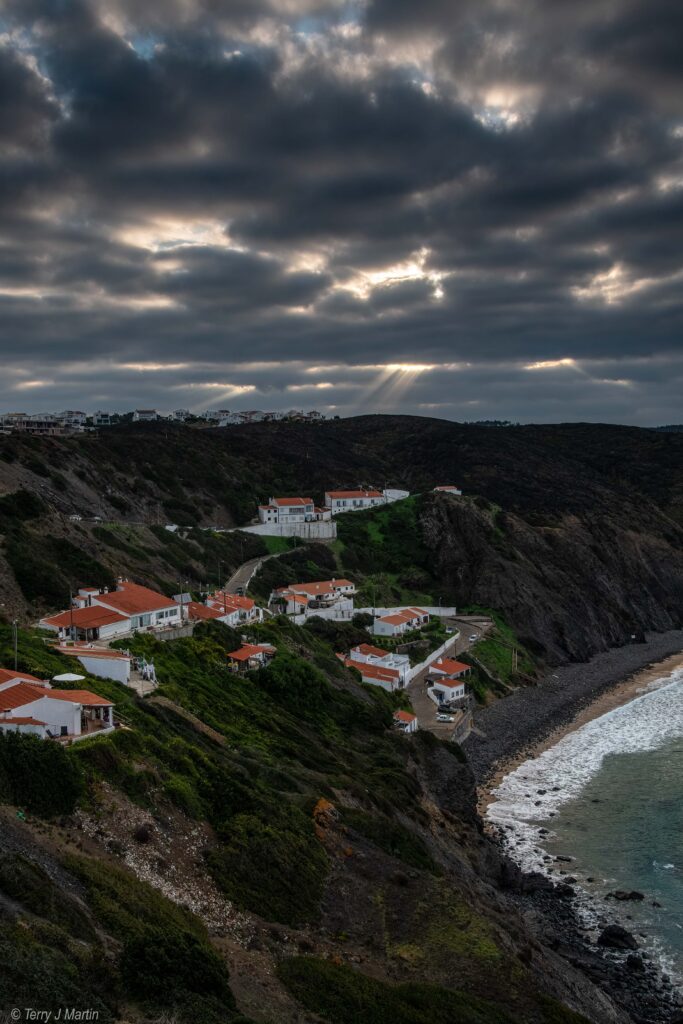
x=68 y=677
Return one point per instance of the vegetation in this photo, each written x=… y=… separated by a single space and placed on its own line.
x=340 y=994
x=38 y=776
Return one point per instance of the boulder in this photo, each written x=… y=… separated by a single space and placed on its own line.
x=616 y=937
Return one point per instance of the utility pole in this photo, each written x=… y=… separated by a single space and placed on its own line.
x=180 y=595
x=71 y=612
x=15 y=636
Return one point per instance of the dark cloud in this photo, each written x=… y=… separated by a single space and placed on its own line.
x=245 y=190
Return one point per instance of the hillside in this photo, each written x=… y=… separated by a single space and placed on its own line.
x=263 y=849
x=573 y=533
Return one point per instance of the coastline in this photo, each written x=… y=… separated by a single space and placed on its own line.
x=519 y=726
x=614 y=697
x=515 y=734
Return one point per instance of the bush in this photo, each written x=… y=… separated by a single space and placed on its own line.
x=158 y=964
x=272 y=865
x=392 y=837
x=38 y=775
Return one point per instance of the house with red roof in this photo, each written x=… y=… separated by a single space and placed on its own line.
x=405 y=721
x=401 y=621
x=105 y=614
x=354 y=500
x=234 y=609
x=296 y=598
x=33 y=706
x=287 y=511
x=446 y=680
x=384 y=659
x=250 y=656
x=103 y=662
x=388 y=678
x=448 y=489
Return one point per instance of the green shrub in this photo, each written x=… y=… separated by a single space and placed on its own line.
x=390 y=836
x=272 y=865
x=38 y=775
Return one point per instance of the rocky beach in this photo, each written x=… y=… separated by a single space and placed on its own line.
x=605 y=942
x=510 y=729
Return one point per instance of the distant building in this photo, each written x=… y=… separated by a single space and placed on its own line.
x=101 y=419
x=33 y=706
x=405 y=721
x=403 y=621
x=297 y=598
x=180 y=415
x=145 y=415
x=448 y=489
x=351 y=501
x=287 y=510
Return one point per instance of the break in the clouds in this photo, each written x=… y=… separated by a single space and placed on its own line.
x=467 y=209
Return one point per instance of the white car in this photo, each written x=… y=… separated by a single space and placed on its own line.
x=473 y=639
x=445 y=718
x=75 y=518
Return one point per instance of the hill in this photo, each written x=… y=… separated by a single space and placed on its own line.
x=573 y=533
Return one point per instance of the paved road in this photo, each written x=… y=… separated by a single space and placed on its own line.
x=240 y=578
x=423 y=706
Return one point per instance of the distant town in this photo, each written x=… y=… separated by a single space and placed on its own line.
x=72 y=421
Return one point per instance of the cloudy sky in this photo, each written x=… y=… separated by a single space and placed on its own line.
x=460 y=208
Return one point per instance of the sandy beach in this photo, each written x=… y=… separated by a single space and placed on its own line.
x=520 y=726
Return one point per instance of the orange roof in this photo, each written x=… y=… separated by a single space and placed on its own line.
x=449 y=666
x=368 y=649
x=7 y=675
x=404 y=716
x=22 y=693
x=292 y=501
x=22 y=721
x=201 y=611
x=396 y=620
x=354 y=494
x=447 y=487
x=247 y=651
x=232 y=602
x=91 y=617
x=386 y=675
x=76 y=651
x=320 y=587
x=79 y=697
x=133 y=599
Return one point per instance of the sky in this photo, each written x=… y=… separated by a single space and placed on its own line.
x=469 y=209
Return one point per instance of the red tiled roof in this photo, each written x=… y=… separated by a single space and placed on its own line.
x=232 y=602
x=387 y=675
x=19 y=695
x=76 y=651
x=79 y=697
x=449 y=666
x=201 y=611
x=22 y=721
x=404 y=716
x=133 y=599
x=354 y=494
x=85 y=618
x=320 y=586
x=6 y=676
x=292 y=501
x=376 y=652
x=396 y=620
x=247 y=651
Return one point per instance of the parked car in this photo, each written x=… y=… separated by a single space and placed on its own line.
x=444 y=718
x=473 y=638
x=75 y=518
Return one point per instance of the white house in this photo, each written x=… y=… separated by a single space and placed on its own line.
x=352 y=501
x=250 y=656
x=237 y=608
x=298 y=597
x=402 y=621
x=103 y=662
x=101 y=419
x=181 y=415
x=400 y=663
x=87 y=623
x=105 y=614
x=287 y=510
x=448 y=489
x=446 y=678
x=388 y=678
x=145 y=415
x=30 y=705
x=405 y=721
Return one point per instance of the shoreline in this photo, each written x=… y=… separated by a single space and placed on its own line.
x=516 y=727
x=616 y=696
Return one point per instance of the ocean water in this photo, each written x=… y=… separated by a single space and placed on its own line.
x=612 y=800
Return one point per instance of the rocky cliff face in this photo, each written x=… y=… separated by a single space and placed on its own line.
x=571 y=587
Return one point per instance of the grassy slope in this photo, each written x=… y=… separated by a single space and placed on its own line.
x=295 y=733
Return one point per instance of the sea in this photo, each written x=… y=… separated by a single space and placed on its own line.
x=610 y=795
